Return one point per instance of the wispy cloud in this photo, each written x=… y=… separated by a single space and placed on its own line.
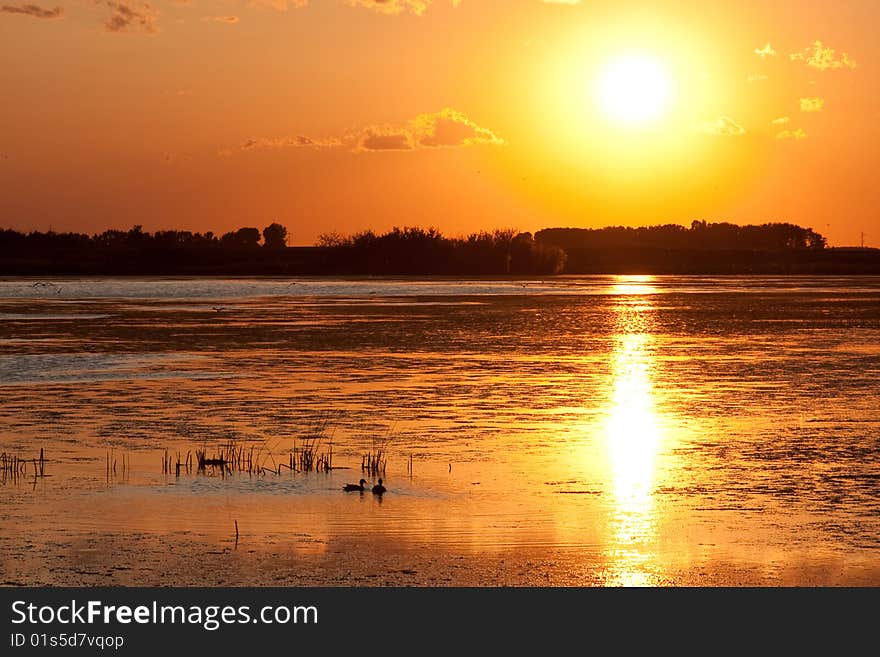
x=823 y=58
x=782 y=120
x=35 y=11
x=796 y=134
x=723 y=126
x=300 y=141
x=128 y=17
x=221 y=19
x=393 y=7
x=280 y=5
x=814 y=104
x=757 y=77
x=765 y=52
x=417 y=7
x=174 y=158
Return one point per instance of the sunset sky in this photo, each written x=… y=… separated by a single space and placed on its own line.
x=342 y=115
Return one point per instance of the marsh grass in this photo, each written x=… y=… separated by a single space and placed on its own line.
x=307 y=454
x=313 y=452
x=375 y=460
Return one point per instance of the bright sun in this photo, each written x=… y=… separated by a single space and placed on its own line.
x=633 y=90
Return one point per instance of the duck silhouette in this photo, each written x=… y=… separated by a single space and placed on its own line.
x=353 y=487
x=378 y=489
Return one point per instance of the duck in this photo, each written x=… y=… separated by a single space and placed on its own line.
x=353 y=487
x=378 y=489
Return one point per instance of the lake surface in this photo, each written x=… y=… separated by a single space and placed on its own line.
x=610 y=430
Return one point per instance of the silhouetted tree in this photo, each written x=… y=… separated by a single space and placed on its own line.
x=245 y=238
x=275 y=236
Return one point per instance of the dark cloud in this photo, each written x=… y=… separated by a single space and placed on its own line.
x=221 y=19
x=34 y=11
x=384 y=139
x=300 y=141
x=127 y=17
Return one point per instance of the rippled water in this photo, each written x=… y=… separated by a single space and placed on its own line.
x=641 y=424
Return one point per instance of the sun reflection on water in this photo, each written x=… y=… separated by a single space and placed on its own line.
x=633 y=437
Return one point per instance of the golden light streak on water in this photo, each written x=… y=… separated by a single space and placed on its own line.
x=633 y=438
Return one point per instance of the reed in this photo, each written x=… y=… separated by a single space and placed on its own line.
x=119 y=468
x=312 y=452
x=307 y=456
x=375 y=460
x=229 y=458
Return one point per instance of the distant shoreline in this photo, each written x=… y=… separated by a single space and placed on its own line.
x=323 y=261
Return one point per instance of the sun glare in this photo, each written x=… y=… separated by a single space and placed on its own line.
x=633 y=90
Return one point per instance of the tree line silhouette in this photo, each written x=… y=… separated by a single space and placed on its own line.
x=419 y=250
x=702 y=248
x=701 y=235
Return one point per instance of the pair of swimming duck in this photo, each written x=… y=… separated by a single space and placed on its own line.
x=378 y=489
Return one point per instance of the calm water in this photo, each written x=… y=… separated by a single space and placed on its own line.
x=646 y=424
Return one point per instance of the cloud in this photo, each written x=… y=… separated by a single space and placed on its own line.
x=447 y=128
x=394 y=7
x=444 y=129
x=812 y=104
x=765 y=52
x=822 y=58
x=34 y=11
x=384 y=138
x=782 y=120
x=220 y=19
x=797 y=134
x=723 y=126
x=757 y=77
x=125 y=17
x=173 y=158
x=280 y=5
x=300 y=141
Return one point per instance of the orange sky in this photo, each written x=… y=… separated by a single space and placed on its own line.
x=341 y=115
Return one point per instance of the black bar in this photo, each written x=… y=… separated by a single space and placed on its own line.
x=425 y=620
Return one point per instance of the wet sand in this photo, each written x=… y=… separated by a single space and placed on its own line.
x=114 y=560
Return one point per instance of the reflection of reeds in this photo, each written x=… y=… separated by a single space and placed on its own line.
x=14 y=467
x=125 y=465
x=178 y=463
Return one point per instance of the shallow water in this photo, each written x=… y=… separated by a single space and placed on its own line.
x=640 y=426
